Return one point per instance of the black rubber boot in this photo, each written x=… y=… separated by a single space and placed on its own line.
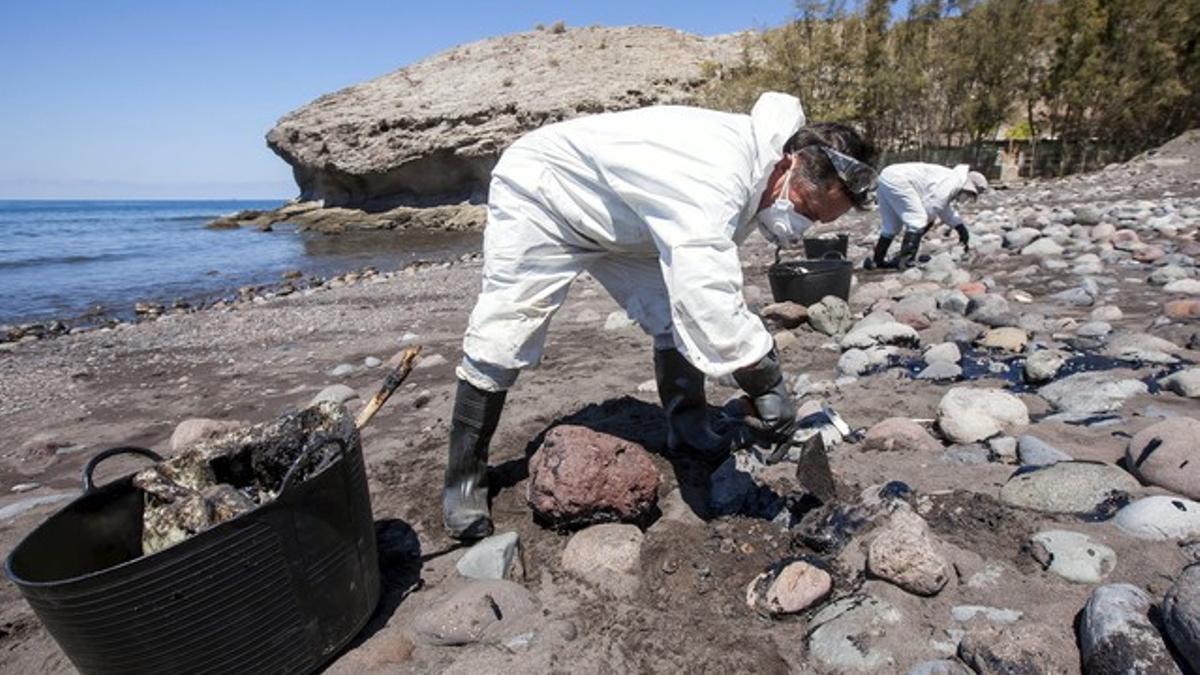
x=681 y=390
x=879 y=259
x=465 y=511
x=909 y=249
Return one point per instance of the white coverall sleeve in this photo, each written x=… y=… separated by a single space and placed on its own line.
x=710 y=321
x=949 y=216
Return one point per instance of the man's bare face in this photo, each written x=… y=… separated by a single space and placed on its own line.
x=821 y=205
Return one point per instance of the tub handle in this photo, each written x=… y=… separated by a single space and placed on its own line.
x=833 y=255
x=89 y=485
x=314 y=444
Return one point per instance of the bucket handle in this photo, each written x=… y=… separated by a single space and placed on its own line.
x=89 y=484
x=314 y=444
x=832 y=255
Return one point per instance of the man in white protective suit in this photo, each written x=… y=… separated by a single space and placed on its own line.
x=653 y=203
x=912 y=196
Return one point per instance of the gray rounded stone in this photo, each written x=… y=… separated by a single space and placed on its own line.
x=1160 y=517
x=1033 y=451
x=1181 y=615
x=1073 y=556
x=1116 y=636
x=1066 y=487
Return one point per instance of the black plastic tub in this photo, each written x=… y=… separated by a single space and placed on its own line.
x=807 y=281
x=827 y=248
x=279 y=589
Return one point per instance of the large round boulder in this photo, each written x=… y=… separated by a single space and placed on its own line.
x=579 y=476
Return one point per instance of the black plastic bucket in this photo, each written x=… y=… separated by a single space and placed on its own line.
x=807 y=281
x=820 y=249
x=279 y=589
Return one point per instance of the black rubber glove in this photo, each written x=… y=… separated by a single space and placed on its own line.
x=964 y=237
x=773 y=402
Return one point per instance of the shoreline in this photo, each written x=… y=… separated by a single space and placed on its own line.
x=142 y=310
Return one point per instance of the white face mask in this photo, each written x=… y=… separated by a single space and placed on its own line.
x=780 y=223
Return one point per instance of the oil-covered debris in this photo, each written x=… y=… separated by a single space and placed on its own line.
x=218 y=480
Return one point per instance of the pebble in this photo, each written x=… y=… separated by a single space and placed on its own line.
x=786 y=314
x=1002 y=449
x=1116 y=636
x=1066 y=487
x=1043 y=365
x=905 y=553
x=491 y=558
x=788 y=588
x=1107 y=313
x=1074 y=556
x=479 y=611
x=1094 y=329
x=25 y=487
x=946 y=352
x=1185 y=382
x=883 y=333
x=1033 y=451
x=17 y=508
x=372 y=362
x=1006 y=338
x=1090 y=393
x=342 y=370
x=940 y=371
x=899 y=434
x=967 y=415
x=198 y=429
x=334 y=393
x=1043 y=248
x=996 y=615
x=940 y=667
x=607 y=556
x=846 y=634
x=1160 y=517
x=830 y=316
x=1162 y=454
x=1183 y=286
x=1181 y=615
x=430 y=361
x=618 y=320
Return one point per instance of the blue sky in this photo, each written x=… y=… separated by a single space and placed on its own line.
x=171 y=99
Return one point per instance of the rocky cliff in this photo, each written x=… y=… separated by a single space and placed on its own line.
x=430 y=133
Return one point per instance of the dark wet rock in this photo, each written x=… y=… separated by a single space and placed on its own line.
x=788 y=587
x=478 y=612
x=1181 y=616
x=579 y=476
x=899 y=434
x=1116 y=636
x=1067 y=487
x=1166 y=454
x=1033 y=451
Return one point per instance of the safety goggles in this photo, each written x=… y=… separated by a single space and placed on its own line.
x=858 y=177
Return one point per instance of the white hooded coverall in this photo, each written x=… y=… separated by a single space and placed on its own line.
x=652 y=203
x=913 y=195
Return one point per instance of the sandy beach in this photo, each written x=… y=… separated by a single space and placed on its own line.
x=69 y=397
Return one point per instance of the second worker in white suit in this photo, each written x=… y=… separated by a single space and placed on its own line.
x=912 y=197
x=653 y=203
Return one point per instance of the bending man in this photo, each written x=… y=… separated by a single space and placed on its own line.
x=912 y=197
x=653 y=204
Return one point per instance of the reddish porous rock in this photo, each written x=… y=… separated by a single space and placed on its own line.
x=973 y=288
x=1183 y=309
x=579 y=476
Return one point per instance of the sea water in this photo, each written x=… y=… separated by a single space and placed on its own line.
x=65 y=259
